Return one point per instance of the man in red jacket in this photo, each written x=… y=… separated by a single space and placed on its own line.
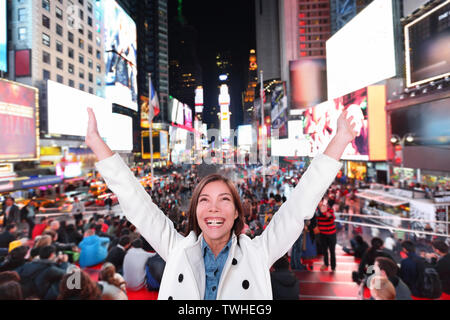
x=40 y=228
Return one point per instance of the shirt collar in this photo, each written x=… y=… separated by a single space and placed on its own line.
x=206 y=248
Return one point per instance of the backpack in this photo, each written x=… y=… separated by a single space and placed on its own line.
x=428 y=282
x=154 y=269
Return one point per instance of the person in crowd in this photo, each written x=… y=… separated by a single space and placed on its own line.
x=108 y=204
x=41 y=241
x=117 y=253
x=93 y=249
x=409 y=267
x=15 y=258
x=112 y=283
x=8 y=236
x=73 y=235
x=88 y=289
x=103 y=225
x=10 y=212
x=28 y=214
x=309 y=250
x=134 y=265
x=285 y=285
x=40 y=278
x=10 y=288
x=78 y=209
x=327 y=226
x=389 y=269
x=358 y=246
x=55 y=226
x=441 y=262
x=381 y=288
x=215 y=224
x=368 y=258
x=40 y=227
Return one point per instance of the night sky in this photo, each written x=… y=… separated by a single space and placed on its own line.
x=222 y=25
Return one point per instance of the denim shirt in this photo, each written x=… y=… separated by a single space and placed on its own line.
x=213 y=268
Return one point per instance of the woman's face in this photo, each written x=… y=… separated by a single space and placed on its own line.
x=216 y=212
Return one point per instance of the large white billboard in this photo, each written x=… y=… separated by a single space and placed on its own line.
x=121 y=138
x=69 y=116
x=362 y=53
x=67 y=113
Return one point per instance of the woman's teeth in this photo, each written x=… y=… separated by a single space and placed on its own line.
x=214 y=222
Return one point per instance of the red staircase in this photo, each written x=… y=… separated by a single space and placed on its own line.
x=327 y=285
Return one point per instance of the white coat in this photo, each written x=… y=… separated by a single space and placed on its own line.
x=246 y=272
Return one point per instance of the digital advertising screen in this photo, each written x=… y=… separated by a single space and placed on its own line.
x=245 y=135
x=187 y=116
x=427 y=46
x=362 y=53
x=3 y=37
x=121 y=138
x=69 y=116
x=279 y=114
x=120 y=55
x=320 y=124
x=308 y=82
x=163 y=144
x=18 y=122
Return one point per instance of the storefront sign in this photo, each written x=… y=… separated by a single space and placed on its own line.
x=42 y=181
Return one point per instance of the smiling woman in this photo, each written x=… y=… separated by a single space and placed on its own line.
x=215 y=260
x=216 y=210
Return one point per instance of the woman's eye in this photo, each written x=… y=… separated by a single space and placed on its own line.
x=226 y=199
x=203 y=199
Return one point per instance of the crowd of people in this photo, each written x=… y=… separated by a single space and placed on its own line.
x=52 y=259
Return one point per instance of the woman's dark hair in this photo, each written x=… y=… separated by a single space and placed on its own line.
x=372 y=253
x=192 y=212
x=11 y=290
x=88 y=289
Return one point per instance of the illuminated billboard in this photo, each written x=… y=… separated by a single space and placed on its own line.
x=367 y=106
x=279 y=112
x=18 y=122
x=308 y=82
x=69 y=116
x=362 y=52
x=120 y=55
x=187 y=116
x=427 y=46
x=245 y=135
x=3 y=37
x=176 y=111
x=121 y=133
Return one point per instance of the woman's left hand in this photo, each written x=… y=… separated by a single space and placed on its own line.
x=346 y=128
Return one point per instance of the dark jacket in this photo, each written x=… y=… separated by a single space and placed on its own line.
x=116 y=256
x=41 y=278
x=409 y=272
x=402 y=291
x=13 y=216
x=285 y=285
x=443 y=269
x=368 y=259
x=5 y=238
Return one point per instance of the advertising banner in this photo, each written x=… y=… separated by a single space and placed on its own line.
x=120 y=55
x=3 y=37
x=279 y=114
x=18 y=122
